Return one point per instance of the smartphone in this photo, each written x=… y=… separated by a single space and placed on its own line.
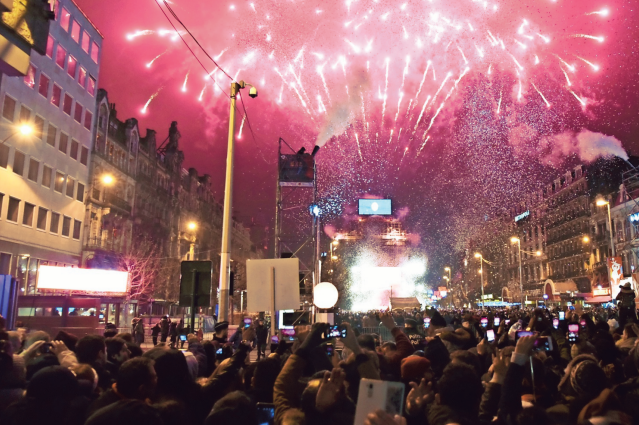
x=219 y=351
x=496 y=322
x=375 y=394
x=573 y=332
x=275 y=339
x=562 y=315
x=288 y=334
x=519 y=334
x=543 y=343
x=426 y=322
x=484 y=322
x=335 y=331
x=265 y=413
x=490 y=335
x=555 y=323
x=330 y=350
x=182 y=337
x=508 y=321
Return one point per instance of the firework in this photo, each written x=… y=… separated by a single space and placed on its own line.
x=148 y=102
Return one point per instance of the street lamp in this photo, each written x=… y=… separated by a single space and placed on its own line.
x=107 y=179
x=192 y=226
x=24 y=129
x=521 y=281
x=600 y=202
x=586 y=239
x=227 y=220
x=481 y=277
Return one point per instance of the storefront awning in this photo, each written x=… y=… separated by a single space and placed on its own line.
x=598 y=300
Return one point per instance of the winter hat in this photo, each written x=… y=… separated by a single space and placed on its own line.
x=410 y=323
x=414 y=368
x=583 y=377
x=438 y=320
x=53 y=383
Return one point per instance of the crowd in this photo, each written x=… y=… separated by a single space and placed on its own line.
x=503 y=366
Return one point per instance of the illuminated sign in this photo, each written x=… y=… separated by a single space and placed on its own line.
x=522 y=216
x=634 y=217
x=375 y=207
x=87 y=280
x=600 y=292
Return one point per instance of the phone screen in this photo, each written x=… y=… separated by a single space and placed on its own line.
x=484 y=322
x=508 y=321
x=555 y=323
x=275 y=339
x=524 y=333
x=219 y=351
x=496 y=321
x=330 y=350
x=426 y=322
x=182 y=337
x=490 y=335
x=265 y=414
x=582 y=322
x=573 y=332
x=562 y=315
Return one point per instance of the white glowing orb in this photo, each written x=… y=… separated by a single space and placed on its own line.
x=374 y=206
x=325 y=295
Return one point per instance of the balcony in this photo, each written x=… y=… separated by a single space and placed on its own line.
x=103 y=244
x=564 y=237
x=115 y=201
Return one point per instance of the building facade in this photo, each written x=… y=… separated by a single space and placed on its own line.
x=44 y=175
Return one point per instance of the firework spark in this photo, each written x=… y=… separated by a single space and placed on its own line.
x=148 y=102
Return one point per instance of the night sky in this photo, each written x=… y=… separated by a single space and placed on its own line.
x=514 y=93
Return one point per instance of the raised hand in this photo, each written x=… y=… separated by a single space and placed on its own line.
x=332 y=384
x=419 y=396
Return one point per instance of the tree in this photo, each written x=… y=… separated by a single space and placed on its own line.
x=143 y=261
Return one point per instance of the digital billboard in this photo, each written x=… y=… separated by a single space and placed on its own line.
x=89 y=280
x=375 y=207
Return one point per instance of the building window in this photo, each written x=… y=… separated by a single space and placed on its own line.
x=82 y=77
x=50 y=42
x=38 y=126
x=73 y=64
x=65 y=19
x=70 y=187
x=59 y=182
x=14 y=207
x=18 y=163
x=46 y=176
x=68 y=103
x=27 y=215
x=75 y=31
x=34 y=167
x=74 y=149
x=57 y=95
x=4 y=155
x=91 y=86
x=95 y=52
x=84 y=155
x=66 y=226
x=80 y=193
x=51 y=134
x=77 y=115
x=42 y=218
x=60 y=56
x=86 y=41
x=9 y=108
x=43 y=88
x=64 y=141
x=77 y=227
x=25 y=114
x=88 y=117
x=29 y=79
x=54 y=226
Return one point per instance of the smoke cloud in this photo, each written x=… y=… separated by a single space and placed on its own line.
x=587 y=145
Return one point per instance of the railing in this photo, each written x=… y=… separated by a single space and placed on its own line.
x=105 y=244
x=566 y=236
x=382 y=333
x=118 y=202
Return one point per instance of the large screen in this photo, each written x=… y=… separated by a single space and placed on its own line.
x=90 y=280
x=375 y=207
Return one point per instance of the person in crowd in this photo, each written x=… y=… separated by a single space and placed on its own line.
x=221 y=332
x=155 y=331
x=173 y=333
x=627 y=305
x=138 y=331
x=261 y=336
x=91 y=349
x=164 y=328
x=117 y=353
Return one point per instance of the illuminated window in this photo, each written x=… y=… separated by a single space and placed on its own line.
x=27 y=215
x=91 y=87
x=9 y=108
x=51 y=134
x=58 y=184
x=72 y=66
x=82 y=77
x=86 y=41
x=14 y=207
x=18 y=162
x=78 y=112
x=57 y=94
x=54 y=226
x=29 y=79
x=65 y=19
x=74 y=149
x=77 y=227
x=43 y=88
x=42 y=218
x=64 y=141
x=84 y=155
x=95 y=52
x=68 y=102
x=46 y=176
x=60 y=56
x=38 y=126
x=80 y=193
x=50 y=42
x=70 y=187
x=75 y=31
x=88 y=116
x=66 y=226
x=34 y=168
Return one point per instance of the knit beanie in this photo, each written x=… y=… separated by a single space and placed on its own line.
x=414 y=368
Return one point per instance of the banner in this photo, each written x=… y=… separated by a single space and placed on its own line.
x=615 y=273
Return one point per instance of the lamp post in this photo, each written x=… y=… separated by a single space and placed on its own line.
x=24 y=129
x=600 y=203
x=521 y=280
x=449 y=281
x=481 y=279
x=227 y=221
